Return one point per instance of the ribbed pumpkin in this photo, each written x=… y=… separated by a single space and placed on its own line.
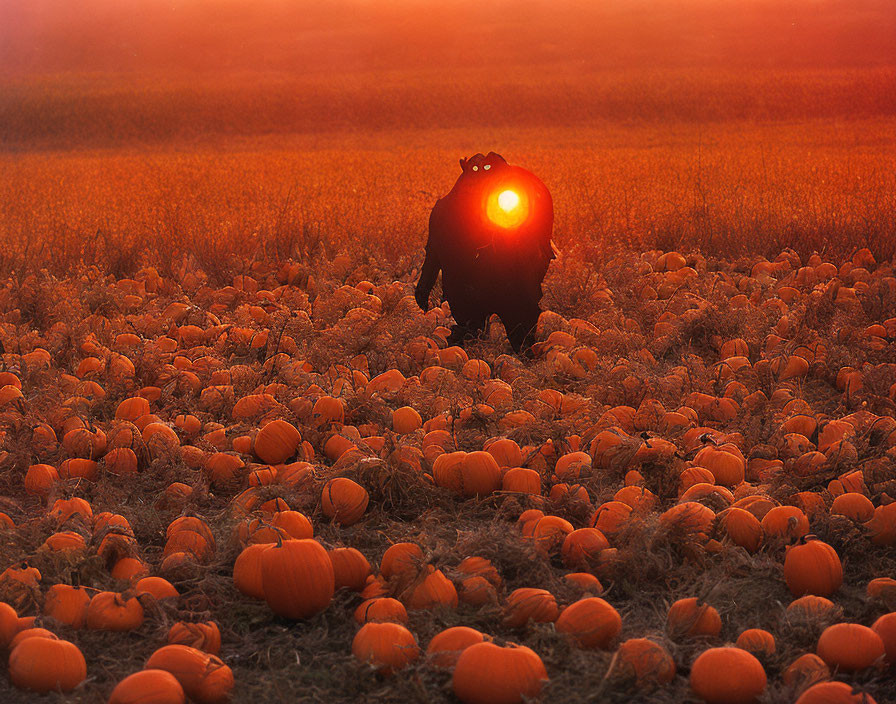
x=585 y=581
x=157 y=587
x=406 y=420
x=529 y=603
x=549 y=533
x=344 y=500
x=812 y=567
x=204 y=636
x=810 y=608
x=690 y=617
x=834 y=693
x=445 y=647
x=757 y=641
x=611 y=517
x=645 y=661
x=486 y=673
x=277 y=441
x=401 y=558
x=885 y=627
x=66 y=604
x=297 y=578
x=247 y=570
x=109 y=611
x=882 y=526
x=591 y=622
x=385 y=646
x=688 y=520
x=350 y=568
x=430 y=589
x=381 y=609
x=481 y=567
x=480 y=474
x=9 y=623
x=742 y=527
x=45 y=665
x=521 y=480
x=806 y=670
x=786 y=522
x=853 y=505
x=725 y=462
x=582 y=548
x=148 y=687
x=727 y=676
x=204 y=677
x=850 y=647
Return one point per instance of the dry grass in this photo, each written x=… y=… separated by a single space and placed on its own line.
x=729 y=188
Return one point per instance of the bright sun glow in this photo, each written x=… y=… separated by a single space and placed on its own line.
x=508 y=200
x=507 y=207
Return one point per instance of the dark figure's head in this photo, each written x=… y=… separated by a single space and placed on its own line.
x=479 y=165
x=491 y=238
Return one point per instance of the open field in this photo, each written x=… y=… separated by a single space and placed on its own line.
x=733 y=188
x=212 y=217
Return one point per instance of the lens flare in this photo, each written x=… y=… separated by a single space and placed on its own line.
x=508 y=200
x=507 y=207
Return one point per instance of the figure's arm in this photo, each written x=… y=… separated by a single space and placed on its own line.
x=431 y=267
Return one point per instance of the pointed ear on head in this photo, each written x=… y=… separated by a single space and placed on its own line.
x=492 y=156
x=463 y=165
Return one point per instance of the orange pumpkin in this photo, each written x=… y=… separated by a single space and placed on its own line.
x=46 y=665
x=742 y=527
x=381 y=609
x=727 y=676
x=582 y=548
x=591 y=622
x=529 y=603
x=204 y=677
x=205 y=636
x=385 y=646
x=725 y=462
x=350 y=568
x=401 y=558
x=157 y=686
x=486 y=673
x=110 y=611
x=850 y=647
x=806 y=670
x=757 y=641
x=692 y=618
x=786 y=522
x=834 y=693
x=297 y=578
x=645 y=661
x=277 y=441
x=66 y=604
x=344 y=501
x=885 y=627
x=446 y=646
x=812 y=567
x=430 y=589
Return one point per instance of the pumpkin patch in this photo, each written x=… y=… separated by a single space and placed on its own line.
x=681 y=494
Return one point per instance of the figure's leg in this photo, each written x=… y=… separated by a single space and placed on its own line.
x=470 y=321
x=519 y=322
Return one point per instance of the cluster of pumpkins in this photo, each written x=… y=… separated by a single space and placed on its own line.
x=222 y=390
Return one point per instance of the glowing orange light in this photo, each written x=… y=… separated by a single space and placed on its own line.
x=508 y=200
x=507 y=208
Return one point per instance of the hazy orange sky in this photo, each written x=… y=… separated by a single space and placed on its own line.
x=299 y=36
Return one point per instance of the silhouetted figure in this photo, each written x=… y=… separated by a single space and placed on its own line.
x=491 y=239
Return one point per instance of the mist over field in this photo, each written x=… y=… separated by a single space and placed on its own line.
x=106 y=72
